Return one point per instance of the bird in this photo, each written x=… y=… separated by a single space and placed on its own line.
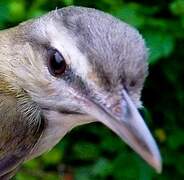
x=70 y=67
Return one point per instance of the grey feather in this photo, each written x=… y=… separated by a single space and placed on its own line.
x=112 y=46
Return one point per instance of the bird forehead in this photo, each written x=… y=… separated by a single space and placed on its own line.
x=112 y=47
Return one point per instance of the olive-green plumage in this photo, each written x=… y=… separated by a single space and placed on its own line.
x=21 y=125
x=21 y=122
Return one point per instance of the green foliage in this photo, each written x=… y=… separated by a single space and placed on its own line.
x=161 y=45
x=93 y=152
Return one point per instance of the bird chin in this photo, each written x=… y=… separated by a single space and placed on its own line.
x=57 y=124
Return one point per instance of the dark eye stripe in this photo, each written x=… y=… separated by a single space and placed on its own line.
x=58 y=68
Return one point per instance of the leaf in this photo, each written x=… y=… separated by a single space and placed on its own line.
x=52 y=157
x=102 y=168
x=160 y=45
x=177 y=7
x=33 y=164
x=86 y=151
x=112 y=144
x=130 y=14
x=17 y=10
x=4 y=12
x=67 y=2
x=176 y=140
x=83 y=173
x=125 y=165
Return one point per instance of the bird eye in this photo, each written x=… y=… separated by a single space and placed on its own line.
x=56 y=62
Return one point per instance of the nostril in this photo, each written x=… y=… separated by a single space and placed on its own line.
x=132 y=83
x=123 y=80
x=117 y=109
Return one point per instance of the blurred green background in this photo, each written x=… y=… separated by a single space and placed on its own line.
x=94 y=152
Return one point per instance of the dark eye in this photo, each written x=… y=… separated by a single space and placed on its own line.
x=56 y=62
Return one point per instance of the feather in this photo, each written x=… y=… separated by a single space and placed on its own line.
x=20 y=129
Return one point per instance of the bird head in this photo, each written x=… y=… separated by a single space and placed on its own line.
x=82 y=65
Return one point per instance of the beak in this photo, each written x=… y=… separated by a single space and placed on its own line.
x=130 y=126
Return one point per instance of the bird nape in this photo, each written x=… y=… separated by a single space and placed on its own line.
x=70 y=67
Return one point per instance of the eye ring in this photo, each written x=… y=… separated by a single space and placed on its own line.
x=56 y=62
